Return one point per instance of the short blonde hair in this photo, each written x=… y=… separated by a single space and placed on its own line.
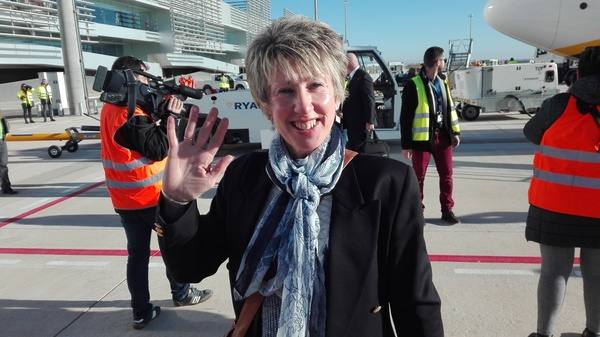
x=298 y=47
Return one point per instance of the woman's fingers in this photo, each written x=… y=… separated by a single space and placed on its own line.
x=221 y=165
x=171 y=135
x=207 y=127
x=217 y=139
x=190 y=129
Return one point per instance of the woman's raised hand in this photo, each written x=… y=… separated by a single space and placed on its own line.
x=189 y=171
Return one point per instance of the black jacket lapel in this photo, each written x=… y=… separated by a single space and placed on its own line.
x=352 y=250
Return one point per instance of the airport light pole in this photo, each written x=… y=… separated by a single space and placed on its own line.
x=316 y=6
x=470 y=26
x=346 y=21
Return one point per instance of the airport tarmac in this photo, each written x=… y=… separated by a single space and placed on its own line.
x=63 y=251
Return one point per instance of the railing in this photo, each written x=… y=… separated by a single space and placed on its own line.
x=38 y=19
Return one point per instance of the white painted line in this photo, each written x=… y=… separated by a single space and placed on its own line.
x=9 y=262
x=78 y=263
x=494 y=272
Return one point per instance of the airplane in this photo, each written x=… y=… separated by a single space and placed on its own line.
x=562 y=27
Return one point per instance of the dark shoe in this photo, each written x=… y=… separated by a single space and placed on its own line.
x=535 y=334
x=194 y=296
x=26 y=122
x=142 y=322
x=9 y=191
x=588 y=333
x=31 y=121
x=53 y=120
x=450 y=218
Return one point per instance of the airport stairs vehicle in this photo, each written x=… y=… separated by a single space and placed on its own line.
x=459 y=55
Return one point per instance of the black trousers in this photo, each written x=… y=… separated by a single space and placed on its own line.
x=47 y=109
x=357 y=139
x=26 y=111
x=138 y=227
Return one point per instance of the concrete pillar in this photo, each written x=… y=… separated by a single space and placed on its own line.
x=72 y=57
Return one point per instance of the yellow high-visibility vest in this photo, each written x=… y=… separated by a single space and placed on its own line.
x=420 y=125
x=26 y=97
x=132 y=180
x=224 y=82
x=44 y=92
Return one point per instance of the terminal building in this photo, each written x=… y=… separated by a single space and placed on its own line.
x=173 y=36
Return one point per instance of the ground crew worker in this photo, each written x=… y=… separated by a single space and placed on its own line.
x=186 y=81
x=25 y=95
x=44 y=94
x=429 y=126
x=133 y=156
x=4 y=181
x=564 y=193
x=223 y=83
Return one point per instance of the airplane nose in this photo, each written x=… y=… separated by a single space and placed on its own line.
x=534 y=21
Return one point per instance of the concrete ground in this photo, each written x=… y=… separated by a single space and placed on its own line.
x=63 y=258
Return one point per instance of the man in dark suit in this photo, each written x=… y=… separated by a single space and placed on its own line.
x=359 y=107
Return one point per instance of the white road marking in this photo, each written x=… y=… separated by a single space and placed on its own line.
x=78 y=263
x=494 y=272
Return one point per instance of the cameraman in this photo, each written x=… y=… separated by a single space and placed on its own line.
x=133 y=156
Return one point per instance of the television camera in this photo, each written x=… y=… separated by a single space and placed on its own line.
x=120 y=87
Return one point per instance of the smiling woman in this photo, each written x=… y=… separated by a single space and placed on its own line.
x=320 y=240
x=302 y=111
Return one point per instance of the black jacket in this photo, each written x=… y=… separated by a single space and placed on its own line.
x=553 y=228
x=410 y=101
x=142 y=134
x=377 y=253
x=359 y=106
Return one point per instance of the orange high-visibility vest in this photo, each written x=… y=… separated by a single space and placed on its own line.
x=566 y=166
x=133 y=181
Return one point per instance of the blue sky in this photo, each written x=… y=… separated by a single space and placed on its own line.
x=403 y=29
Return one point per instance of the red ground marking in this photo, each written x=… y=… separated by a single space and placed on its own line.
x=123 y=252
x=49 y=204
x=488 y=259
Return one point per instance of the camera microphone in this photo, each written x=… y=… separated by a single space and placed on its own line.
x=190 y=92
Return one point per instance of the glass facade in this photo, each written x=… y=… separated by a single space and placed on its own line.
x=103 y=48
x=129 y=19
x=214 y=29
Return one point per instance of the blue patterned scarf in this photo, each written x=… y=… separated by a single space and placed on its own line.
x=282 y=253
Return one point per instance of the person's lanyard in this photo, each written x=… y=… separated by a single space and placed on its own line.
x=438 y=97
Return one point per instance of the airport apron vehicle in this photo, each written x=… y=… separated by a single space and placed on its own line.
x=567 y=67
x=507 y=87
x=72 y=136
x=247 y=123
x=211 y=85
